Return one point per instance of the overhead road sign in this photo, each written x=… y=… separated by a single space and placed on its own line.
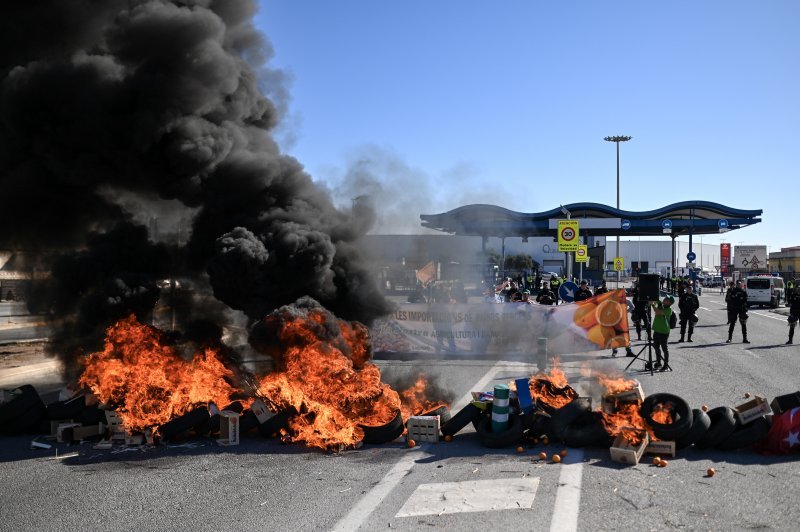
x=625 y=224
x=666 y=226
x=691 y=256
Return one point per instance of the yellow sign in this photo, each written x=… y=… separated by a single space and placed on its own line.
x=568 y=235
x=582 y=255
x=619 y=264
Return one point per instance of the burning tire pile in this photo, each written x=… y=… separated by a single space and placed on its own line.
x=545 y=408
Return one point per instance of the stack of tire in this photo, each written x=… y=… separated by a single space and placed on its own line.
x=718 y=428
x=22 y=413
x=574 y=424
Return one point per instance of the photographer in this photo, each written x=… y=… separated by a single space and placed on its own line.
x=661 y=328
x=688 y=305
x=546 y=296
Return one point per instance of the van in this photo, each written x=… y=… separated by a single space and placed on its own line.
x=765 y=290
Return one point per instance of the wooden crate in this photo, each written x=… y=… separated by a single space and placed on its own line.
x=624 y=453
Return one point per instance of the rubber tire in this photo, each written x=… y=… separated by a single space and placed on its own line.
x=668 y=431
x=700 y=425
x=746 y=435
x=443 y=412
x=723 y=423
x=69 y=409
x=278 y=422
x=587 y=431
x=384 y=433
x=26 y=422
x=20 y=404
x=177 y=426
x=461 y=420
x=535 y=424
x=564 y=417
x=247 y=422
x=507 y=438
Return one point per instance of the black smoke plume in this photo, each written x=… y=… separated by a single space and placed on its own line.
x=103 y=102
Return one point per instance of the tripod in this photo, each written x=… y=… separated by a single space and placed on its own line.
x=648 y=364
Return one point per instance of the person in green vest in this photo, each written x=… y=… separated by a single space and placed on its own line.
x=789 y=292
x=663 y=310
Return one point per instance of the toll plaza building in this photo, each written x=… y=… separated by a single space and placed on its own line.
x=657 y=241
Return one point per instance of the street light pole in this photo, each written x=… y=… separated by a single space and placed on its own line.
x=617 y=139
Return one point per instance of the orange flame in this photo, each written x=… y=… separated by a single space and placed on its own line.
x=552 y=389
x=625 y=421
x=147 y=382
x=324 y=374
x=415 y=401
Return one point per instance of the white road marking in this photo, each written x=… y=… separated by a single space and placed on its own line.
x=359 y=513
x=568 y=495
x=704 y=308
x=783 y=318
x=471 y=496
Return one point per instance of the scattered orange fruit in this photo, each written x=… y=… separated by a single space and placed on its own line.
x=663 y=463
x=563 y=453
x=448 y=438
x=520 y=449
x=656 y=460
x=710 y=472
x=704 y=408
x=412 y=443
x=746 y=395
x=542 y=455
x=556 y=458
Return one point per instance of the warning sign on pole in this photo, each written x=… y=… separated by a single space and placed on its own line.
x=582 y=255
x=568 y=235
x=619 y=264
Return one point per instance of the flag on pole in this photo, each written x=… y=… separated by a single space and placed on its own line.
x=427 y=273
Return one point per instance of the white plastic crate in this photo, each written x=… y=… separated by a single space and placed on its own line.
x=423 y=428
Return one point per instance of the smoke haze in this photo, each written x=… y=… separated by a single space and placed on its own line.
x=113 y=114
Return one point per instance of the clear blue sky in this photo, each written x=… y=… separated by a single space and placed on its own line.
x=429 y=105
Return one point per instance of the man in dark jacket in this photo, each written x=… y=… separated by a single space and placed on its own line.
x=737 y=308
x=794 y=313
x=546 y=296
x=688 y=305
x=601 y=289
x=639 y=313
x=583 y=292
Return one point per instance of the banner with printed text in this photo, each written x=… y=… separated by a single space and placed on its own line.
x=600 y=322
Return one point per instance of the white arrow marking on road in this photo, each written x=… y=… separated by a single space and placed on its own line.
x=471 y=496
x=359 y=513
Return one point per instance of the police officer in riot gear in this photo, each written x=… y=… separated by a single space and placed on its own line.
x=794 y=313
x=737 y=309
x=688 y=305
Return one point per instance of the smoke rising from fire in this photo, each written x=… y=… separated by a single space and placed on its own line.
x=160 y=101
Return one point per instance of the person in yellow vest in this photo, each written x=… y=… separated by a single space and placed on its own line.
x=555 y=284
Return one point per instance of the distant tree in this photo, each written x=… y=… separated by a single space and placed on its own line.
x=521 y=261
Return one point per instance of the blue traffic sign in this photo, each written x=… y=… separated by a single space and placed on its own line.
x=691 y=256
x=723 y=224
x=626 y=224
x=567 y=291
x=666 y=224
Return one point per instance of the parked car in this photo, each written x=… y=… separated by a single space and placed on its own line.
x=765 y=290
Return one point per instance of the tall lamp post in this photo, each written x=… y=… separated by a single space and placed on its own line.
x=617 y=139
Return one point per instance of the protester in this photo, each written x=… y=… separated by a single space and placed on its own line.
x=688 y=305
x=737 y=309
x=601 y=289
x=663 y=311
x=583 y=292
x=546 y=296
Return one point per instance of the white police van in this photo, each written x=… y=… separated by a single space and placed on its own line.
x=765 y=290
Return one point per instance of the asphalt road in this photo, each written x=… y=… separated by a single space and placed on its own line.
x=264 y=485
